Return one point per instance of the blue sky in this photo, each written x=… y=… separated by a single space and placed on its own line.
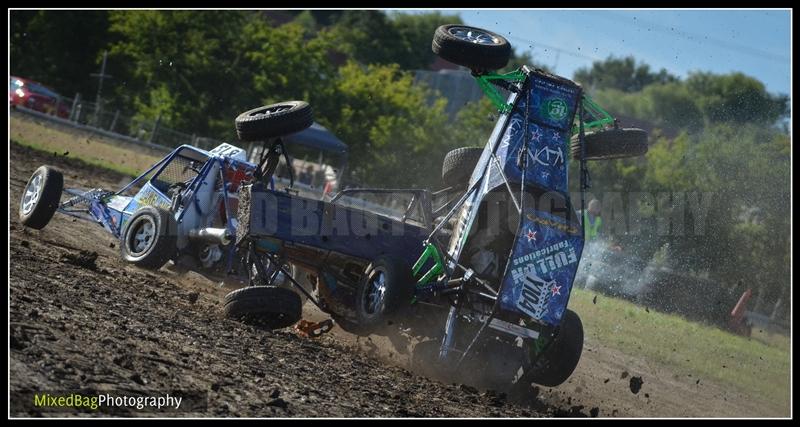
x=754 y=42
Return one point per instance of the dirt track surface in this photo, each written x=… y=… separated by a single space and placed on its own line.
x=116 y=328
x=79 y=323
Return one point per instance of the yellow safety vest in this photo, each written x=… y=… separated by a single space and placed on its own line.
x=591 y=228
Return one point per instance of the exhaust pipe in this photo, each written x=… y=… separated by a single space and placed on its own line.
x=211 y=235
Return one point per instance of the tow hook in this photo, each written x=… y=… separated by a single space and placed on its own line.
x=313 y=329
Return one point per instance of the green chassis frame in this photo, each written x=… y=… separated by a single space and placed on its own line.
x=600 y=118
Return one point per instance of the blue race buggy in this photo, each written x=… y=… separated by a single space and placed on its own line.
x=506 y=272
x=183 y=208
x=181 y=205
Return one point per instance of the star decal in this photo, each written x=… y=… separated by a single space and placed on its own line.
x=531 y=235
x=536 y=135
x=555 y=289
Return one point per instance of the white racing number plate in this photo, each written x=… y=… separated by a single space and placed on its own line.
x=533 y=298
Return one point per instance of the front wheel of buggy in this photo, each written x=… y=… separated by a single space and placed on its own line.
x=149 y=239
x=611 y=144
x=475 y=48
x=561 y=357
x=269 y=307
x=41 y=197
x=271 y=121
x=458 y=165
x=387 y=287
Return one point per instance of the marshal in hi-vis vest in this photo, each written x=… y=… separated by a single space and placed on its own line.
x=591 y=227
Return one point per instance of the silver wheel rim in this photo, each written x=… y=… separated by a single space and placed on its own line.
x=376 y=292
x=32 y=193
x=473 y=35
x=270 y=111
x=142 y=236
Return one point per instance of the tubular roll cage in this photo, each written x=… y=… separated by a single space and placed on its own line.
x=443 y=264
x=96 y=198
x=489 y=83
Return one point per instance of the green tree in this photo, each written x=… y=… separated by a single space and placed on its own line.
x=621 y=74
x=416 y=32
x=58 y=48
x=746 y=170
x=369 y=36
x=182 y=66
x=519 y=59
x=736 y=98
x=704 y=99
x=287 y=62
x=474 y=124
x=395 y=137
x=372 y=37
x=307 y=20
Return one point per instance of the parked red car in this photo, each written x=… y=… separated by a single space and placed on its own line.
x=36 y=96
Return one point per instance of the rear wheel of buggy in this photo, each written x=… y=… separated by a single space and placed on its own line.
x=271 y=121
x=561 y=356
x=386 y=288
x=41 y=197
x=475 y=48
x=611 y=144
x=458 y=165
x=149 y=238
x=280 y=279
x=269 y=307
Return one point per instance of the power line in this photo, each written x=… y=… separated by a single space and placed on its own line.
x=557 y=49
x=701 y=38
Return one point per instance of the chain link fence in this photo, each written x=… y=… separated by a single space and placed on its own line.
x=87 y=113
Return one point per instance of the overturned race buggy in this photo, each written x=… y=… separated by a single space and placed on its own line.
x=506 y=271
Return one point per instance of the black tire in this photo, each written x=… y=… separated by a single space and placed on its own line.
x=476 y=56
x=562 y=355
x=611 y=144
x=398 y=289
x=42 y=204
x=270 y=307
x=274 y=120
x=458 y=165
x=159 y=248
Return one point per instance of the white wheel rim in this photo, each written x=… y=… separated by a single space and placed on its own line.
x=32 y=193
x=143 y=236
x=473 y=35
x=376 y=293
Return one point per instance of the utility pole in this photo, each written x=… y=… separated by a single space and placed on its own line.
x=102 y=76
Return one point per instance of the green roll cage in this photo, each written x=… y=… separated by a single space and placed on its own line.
x=598 y=119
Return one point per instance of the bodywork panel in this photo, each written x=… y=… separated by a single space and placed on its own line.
x=541 y=267
x=331 y=227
